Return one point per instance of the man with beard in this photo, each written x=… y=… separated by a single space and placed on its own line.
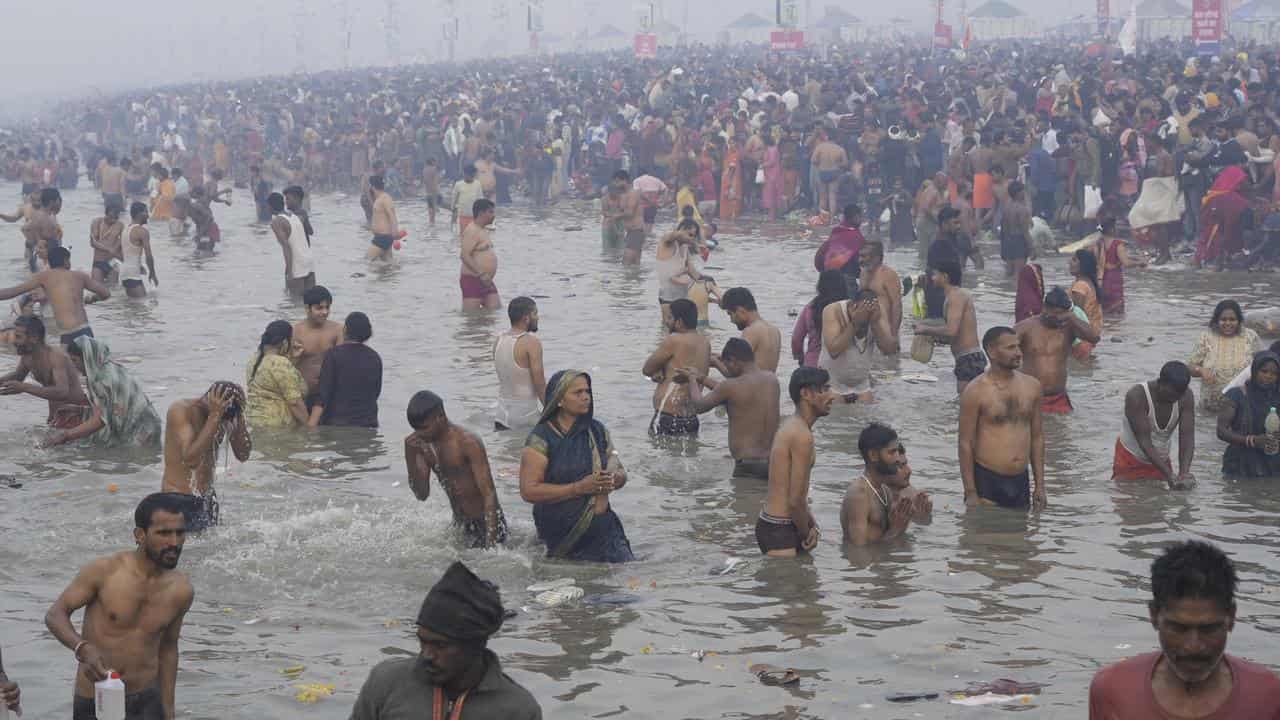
x=517 y=358
x=750 y=398
x=454 y=669
x=59 y=383
x=1001 y=430
x=881 y=504
x=765 y=339
x=1046 y=341
x=1193 y=611
x=786 y=526
x=884 y=282
x=134 y=605
x=683 y=347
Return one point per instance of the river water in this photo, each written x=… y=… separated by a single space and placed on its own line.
x=324 y=555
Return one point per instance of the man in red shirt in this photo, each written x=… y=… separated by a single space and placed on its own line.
x=1193 y=609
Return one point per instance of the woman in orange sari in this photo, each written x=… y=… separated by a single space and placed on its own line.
x=731 y=182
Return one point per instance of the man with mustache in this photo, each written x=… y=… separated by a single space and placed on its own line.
x=1046 y=342
x=1193 y=610
x=134 y=604
x=881 y=504
x=455 y=673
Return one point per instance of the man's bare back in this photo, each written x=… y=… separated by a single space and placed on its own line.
x=65 y=291
x=678 y=350
x=1045 y=351
x=766 y=341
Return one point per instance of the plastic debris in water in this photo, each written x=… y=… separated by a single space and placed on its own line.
x=991 y=699
x=730 y=564
x=313 y=692
x=560 y=596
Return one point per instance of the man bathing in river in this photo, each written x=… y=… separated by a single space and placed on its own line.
x=479 y=260
x=134 y=602
x=65 y=289
x=459 y=459
x=765 y=339
x=194 y=431
x=517 y=358
x=315 y=336
x=880 y=504
x=105 y=237
x=1046 y=343
x=59 y=383
x=960 y=327
x=750 y=398
x=684 y=347
x=383 y=221
x=786 y=526
x=1142 y=450
x=1001 y=430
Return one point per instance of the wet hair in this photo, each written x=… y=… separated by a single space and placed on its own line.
x=31 y=325
x=316 y=295
x=520 y=308
x=832 y=287
x=992 y=336
x=49 y=196
x=622 y=175
x=358 y=327
x=1176 y=375
x=739 y=350
x=295 y=190
x=738 y=297
x=277 y=331
x=851 y=211
x=376 y=182
x=59 y=257
x=947 y=213
x=806 y=377
x=1193 y=570
x=1223 y=307
x=686 y=312
x=137 y=209
x=950 y=268
x=171 y=503
x=422 y=406
x=1057 y=298
x=480 y=206
x=690 y=224
x=276 y=202
x=1089 y=269
x=874 y=437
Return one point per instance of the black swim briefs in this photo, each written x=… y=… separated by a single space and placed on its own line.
x=145 y=705
x=751 y=468
x=1011 y=491
x=774 y=533
x=475 y=535
x=676 y=425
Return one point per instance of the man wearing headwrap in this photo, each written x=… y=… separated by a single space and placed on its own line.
x=454 y=674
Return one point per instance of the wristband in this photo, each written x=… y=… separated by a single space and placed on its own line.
x=79 y=645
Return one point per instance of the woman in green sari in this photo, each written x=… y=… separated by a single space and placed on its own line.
x=567 y=471
x=120 y=413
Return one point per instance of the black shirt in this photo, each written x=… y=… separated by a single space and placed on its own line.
x=350 y=383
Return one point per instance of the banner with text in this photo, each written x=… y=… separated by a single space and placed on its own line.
x=646 y=46
x=1206 y=25
x=786 y=40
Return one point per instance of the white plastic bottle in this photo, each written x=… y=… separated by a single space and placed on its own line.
x=1272 y=426
x=108 y=698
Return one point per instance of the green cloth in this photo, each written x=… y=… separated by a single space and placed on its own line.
x=129 y=416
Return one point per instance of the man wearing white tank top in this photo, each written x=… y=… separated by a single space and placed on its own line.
x=1152 y=411
x=299 y=266
x=517 y=357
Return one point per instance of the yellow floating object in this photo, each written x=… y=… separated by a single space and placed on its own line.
x=293 y=670
x=113 y=488
x=312 y=693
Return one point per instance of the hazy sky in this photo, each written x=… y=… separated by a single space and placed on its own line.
x=92 y=46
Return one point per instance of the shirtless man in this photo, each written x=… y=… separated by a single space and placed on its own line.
x=765 y=339
x=193 y=432
x=65 y=289
x=459 y=459
x=112 y=179
x=831 y=160
x=517 y=358
x=383 y=221
x=884 y=282
x=614 y=210
x=135 y=249
x=1001 y=430
x=1046 y=343
x=978 y=173
x=929 y=201
x=134 y=605
x=630 y=211
x=1016 y=246
x=479 y=260
x=961 y=324
x=28 y=172
x=207 y=233
x=105 y=236
x=315 y=336
x=786 y=526
x=683 y=348
x=59 y=383
x=880 y=504
x=43 y=233
x=299 y=265
x=750 y=398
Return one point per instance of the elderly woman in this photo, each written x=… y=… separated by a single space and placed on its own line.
x=119 y=411
x=1222 y=352
x=567 y=471
x=1251 y=452
x=274 y=386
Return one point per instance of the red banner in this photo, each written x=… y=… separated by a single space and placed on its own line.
x=1206 y=21
x=786 y=40
x=646 y=46
x=1104 y=17
x=941 y=35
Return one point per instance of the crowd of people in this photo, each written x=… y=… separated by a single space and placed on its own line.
x=889 y=146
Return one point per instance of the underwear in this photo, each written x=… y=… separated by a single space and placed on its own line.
x=145 y=705
x=383 y=241
x=104 y=266
x=970 y=365
x=473 y=288
x=463 y=222
x=650 y=214
x=1010 y=491
x=109 y=199
x=1013 y=247
x=131 y=283
x=635 y=240
x=474 y=534
x=983 y=195
x=751 y=468
x=201 y=511
x=1058 y=404
x=135 y=187
x=828 y=176
x=70 y=337
x=28 y=188
x=773 y=533
x=1126 y=466
x=676 y=425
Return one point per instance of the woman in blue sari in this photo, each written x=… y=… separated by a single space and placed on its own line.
x=567 y=470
